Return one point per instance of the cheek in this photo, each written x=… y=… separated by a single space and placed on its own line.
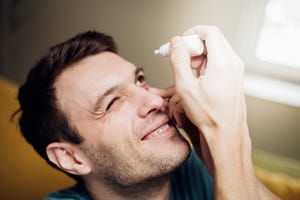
x=118 y=127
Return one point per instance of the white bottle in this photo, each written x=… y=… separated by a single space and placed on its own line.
x=193 y=42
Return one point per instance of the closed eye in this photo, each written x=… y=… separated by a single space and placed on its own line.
x=112 y=102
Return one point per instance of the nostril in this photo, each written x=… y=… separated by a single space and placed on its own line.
x=152 y=110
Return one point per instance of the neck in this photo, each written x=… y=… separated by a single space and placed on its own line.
x=156 y=189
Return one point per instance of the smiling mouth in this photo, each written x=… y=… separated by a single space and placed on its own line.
x=165 y=130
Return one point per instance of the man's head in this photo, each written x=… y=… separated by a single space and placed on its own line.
x=89 y=112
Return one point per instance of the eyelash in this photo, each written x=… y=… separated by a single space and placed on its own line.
x=112 y=102
x=141 y=78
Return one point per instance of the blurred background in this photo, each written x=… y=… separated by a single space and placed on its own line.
x=264 y=33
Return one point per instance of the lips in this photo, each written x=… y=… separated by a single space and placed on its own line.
x=157 y=130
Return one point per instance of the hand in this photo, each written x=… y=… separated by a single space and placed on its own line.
x=213 y=100
x=218 y=87
x=178 y=116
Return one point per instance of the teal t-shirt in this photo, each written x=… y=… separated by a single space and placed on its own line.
x=191 y=181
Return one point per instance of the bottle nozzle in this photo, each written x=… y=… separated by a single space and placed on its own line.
x=194 y=44
x=157 y=52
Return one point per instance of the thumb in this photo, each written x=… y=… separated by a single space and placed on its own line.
x=180 y=61
x=164 y=92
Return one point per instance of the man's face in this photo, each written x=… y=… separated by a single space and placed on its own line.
x=128 y=137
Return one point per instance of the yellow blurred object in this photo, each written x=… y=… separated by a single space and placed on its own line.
x=280 y=174
x=282 y=185
x=24 y=174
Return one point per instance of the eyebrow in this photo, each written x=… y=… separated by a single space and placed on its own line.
x=137 y=71
x=111 y=90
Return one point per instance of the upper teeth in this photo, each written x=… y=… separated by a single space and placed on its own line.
x=161 y=129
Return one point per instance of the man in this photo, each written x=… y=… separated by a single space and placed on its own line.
x=92 y=114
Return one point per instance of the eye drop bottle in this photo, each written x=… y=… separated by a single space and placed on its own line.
x=193 y=42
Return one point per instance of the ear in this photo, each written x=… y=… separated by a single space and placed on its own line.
x=68 y=158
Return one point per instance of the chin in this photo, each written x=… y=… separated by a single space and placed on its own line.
x=159 y=166
x=175 y=154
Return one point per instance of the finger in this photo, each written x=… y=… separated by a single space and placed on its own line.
x=216 y=45
x=163 y=92
x=201 y=70
x=178 y=116
x=180 y=61
x=176 y=111
x=172 y=105
x=197 y=61
x=203 y=67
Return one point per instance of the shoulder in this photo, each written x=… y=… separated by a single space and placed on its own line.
x=76 y=192
x=192 y=180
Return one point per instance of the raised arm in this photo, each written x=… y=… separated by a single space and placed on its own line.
x=213 y=100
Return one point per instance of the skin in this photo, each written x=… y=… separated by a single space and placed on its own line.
x=221 y=133
x=121 y=151
x=208 y=104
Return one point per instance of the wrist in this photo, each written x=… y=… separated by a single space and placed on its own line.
x=236 y=182
x=230 y=147
x=234 y=174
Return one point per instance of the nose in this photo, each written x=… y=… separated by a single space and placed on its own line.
x=148 y=102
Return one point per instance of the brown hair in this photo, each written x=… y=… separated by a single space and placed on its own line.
x=42 y=122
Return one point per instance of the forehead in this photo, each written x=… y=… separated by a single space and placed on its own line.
x=91 y=76
x=102 y=64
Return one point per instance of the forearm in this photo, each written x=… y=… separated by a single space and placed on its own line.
x=236 y=183
x=234 y=176
x=213 y=100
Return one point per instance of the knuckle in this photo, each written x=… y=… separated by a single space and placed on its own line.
x=214 y=29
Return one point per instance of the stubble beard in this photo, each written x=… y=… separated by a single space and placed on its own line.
x=123 y=174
